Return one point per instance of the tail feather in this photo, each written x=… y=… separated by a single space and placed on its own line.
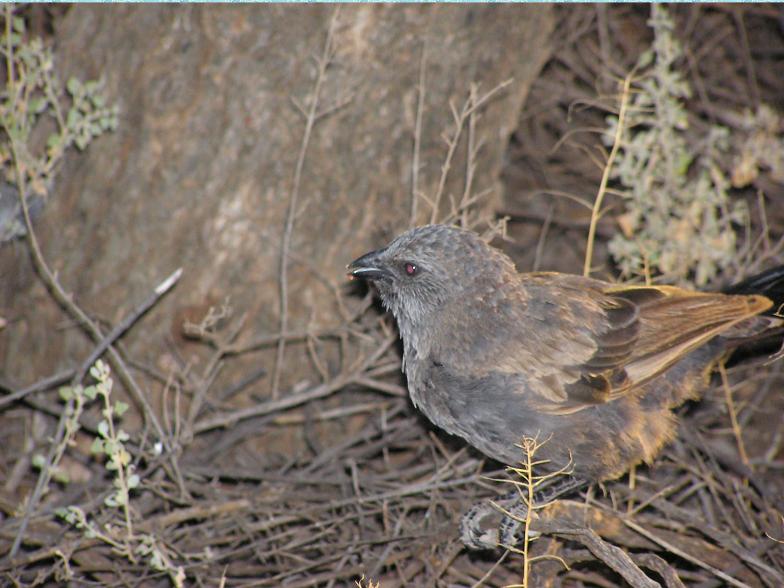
x=770 y=284
x=766 y=336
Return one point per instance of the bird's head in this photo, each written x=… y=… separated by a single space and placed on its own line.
x=426 y=267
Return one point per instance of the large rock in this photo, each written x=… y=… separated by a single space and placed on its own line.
x=200 y=172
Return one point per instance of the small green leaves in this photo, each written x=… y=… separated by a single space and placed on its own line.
x=89 y=115
x=133 y=481
x=73 y=515
x=61 y=476
x=96 y=446
x=119 y=408
x=86 y=115
x=54 y=140
x=100 y=371
x=38 y=105
x=91 y=392
x=119 y=498
x=74 y=86
x=122 y=457
x=35 y=104
x=645 y=59
x=109 y=442
x=679 y=220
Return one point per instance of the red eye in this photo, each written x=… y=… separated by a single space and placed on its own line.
x=411 y=269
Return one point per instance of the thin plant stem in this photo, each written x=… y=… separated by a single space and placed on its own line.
x=597 y=204
x=291 y=213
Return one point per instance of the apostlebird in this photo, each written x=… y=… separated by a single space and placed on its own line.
x=594 y=368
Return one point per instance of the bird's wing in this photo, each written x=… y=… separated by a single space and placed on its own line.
x=612 y=339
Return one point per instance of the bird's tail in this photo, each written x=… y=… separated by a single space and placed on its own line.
x=770 y=284
x=766 y=335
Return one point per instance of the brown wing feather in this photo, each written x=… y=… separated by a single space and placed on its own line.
x=647 y=330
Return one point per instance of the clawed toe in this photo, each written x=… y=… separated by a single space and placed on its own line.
x=510 y=525
x=509 y=512
x=472 y=534
x=479 y=536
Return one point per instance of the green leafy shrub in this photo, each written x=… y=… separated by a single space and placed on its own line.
x=679 y=219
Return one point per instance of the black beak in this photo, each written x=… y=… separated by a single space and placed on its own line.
x=369 y=267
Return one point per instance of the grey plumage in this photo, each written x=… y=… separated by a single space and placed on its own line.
x=595 y=368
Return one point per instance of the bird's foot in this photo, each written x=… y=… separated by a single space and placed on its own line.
x=475 y=534
x=507 y=515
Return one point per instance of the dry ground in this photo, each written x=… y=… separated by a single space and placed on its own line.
x=376 y=491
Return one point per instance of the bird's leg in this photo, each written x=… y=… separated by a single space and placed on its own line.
x=474 y=536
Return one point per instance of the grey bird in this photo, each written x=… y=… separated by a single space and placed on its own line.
x=594 y=368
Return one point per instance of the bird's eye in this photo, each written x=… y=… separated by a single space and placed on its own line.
x=411 y=269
